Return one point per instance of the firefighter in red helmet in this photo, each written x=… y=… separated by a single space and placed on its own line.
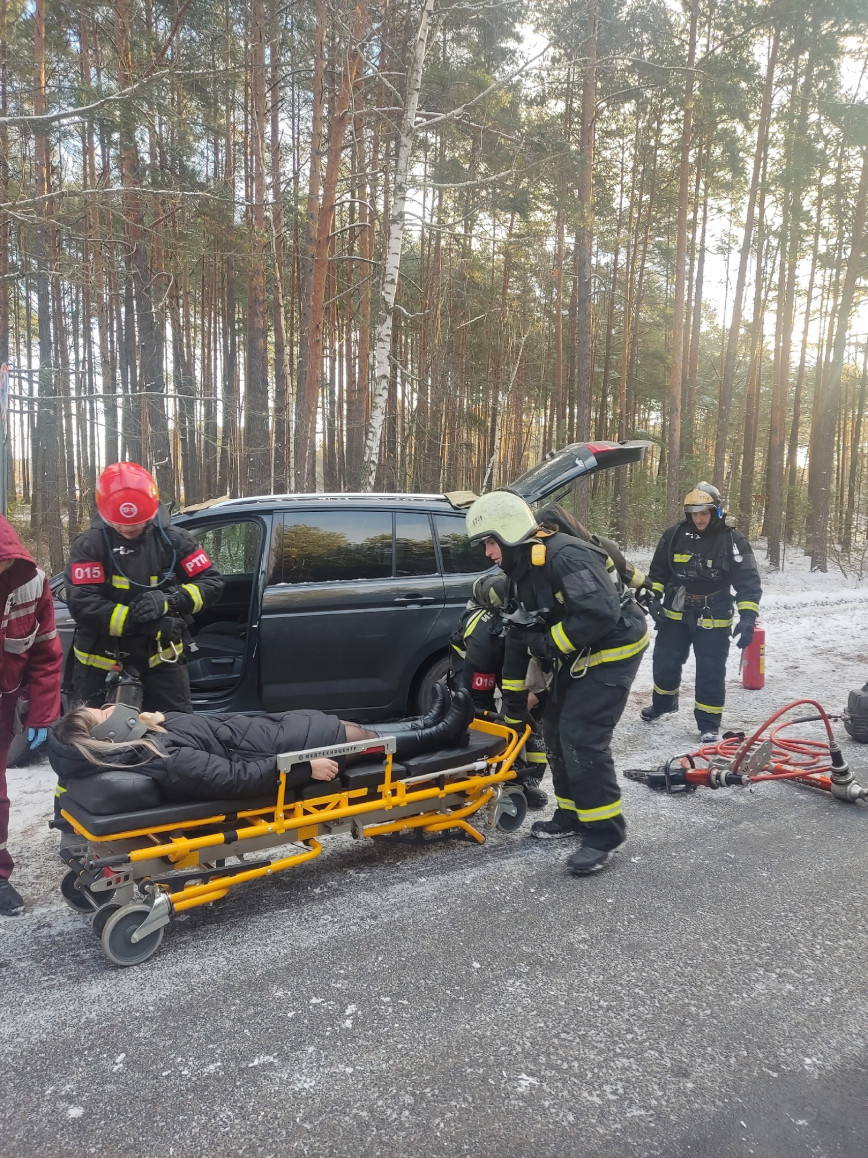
x=697 y=565
x=133 y=582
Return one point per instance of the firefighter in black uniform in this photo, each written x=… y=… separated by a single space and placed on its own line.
x=696 y=565
x=584 y=625
x=133 y=584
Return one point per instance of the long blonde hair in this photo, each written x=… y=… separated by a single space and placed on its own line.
x=74 y=729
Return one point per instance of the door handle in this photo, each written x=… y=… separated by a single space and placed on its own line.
x=406 y=599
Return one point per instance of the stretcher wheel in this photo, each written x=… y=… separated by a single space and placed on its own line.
x=116 y=938
x=511 y=810
x=78 y=898
x=99 y=918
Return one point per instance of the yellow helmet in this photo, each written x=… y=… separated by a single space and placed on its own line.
x=500 y=515
x=703 y=497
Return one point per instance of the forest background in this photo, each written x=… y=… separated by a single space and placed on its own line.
x=264 y=246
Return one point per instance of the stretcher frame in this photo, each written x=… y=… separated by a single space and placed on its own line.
x=132 y=881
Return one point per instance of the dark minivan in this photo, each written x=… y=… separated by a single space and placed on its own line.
x=343 y=602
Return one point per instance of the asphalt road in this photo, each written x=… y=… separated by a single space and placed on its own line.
x=706 y=995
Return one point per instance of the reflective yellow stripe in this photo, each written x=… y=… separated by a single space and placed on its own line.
x=533 y=756
x=59 y=790
x=118 y=619
x=562 y=640
x=99 y=661
x=121 y=582
x=658 y=587
x=470 y=626
x=513 y=685
x=614 y=654
x=605 y=813
x=166 y=655
x=672 y=614
x=746 y=605
x=681 y=558
x=707 y=708
x=566 y=805
x=637 y=578
x=666 y=691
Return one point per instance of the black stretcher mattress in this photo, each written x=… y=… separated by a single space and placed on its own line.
x=118 y=800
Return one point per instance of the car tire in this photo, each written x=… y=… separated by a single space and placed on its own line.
x=423 y=687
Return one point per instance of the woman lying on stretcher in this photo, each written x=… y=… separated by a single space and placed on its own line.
x=234 y=755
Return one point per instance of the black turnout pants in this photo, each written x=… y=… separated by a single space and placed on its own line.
x=483 y=658
x=580 y=717
x=166 y=687
x=711 y=648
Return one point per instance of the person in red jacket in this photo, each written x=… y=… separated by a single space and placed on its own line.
x=29 y=674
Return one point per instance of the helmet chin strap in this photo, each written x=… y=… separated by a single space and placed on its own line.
x=121 y=726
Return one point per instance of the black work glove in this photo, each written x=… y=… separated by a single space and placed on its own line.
x=742 y=633
x=538 y=641
x=515 y=710
x=169 y=629
x=149 y=606
x=655 y=610
x=645 y=595
x=180 y=601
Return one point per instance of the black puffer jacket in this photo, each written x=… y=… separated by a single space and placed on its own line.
x=216 y=757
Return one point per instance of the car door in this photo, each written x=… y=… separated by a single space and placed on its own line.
x=353 y=598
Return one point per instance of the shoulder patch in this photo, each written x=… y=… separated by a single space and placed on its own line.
x=83 y=573
x=579 y=583
x=196 y=563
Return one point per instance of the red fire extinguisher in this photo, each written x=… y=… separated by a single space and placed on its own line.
x=753 y=660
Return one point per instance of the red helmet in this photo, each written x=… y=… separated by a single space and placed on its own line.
x=126 y=494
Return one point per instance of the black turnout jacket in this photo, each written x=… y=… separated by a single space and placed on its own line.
x=590 y=621
x=106 y=572
x=217 y=757
x=695 y=573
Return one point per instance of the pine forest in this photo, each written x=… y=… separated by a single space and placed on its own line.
x=264 y=246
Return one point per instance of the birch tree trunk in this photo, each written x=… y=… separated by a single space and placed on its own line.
x=383 y=336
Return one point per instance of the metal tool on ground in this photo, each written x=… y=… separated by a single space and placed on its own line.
x=739 y=761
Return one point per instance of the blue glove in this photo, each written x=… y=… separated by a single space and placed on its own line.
x=37 y=737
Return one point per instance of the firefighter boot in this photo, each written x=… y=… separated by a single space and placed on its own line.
x=529 y=770
x=659 y=706
x=440 y=703
x=563 y=823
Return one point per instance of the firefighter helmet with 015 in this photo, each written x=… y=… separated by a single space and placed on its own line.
x=500 y=515
x=126 y=494
x=703 y=497
x=490 y=589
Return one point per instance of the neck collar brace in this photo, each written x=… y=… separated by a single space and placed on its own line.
x=121 y=726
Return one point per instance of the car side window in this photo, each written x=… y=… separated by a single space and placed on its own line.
x=414 y=544
x=233 y=548
x=458 y=553
x=331 y=546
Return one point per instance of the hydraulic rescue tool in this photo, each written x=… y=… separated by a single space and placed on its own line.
x=739 y=761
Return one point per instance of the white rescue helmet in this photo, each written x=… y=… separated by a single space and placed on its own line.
x=703 y=497
x=500 y=515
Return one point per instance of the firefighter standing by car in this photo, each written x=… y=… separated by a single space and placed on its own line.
x=585 y=626
x=134 y=581
x=696 y=565
x=30 y=662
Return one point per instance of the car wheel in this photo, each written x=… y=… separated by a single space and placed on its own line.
x=423 y=689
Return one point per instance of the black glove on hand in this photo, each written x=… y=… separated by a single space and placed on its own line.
x=645 y=596
x=170 y=629
x=656 y=611
x=515 y=710
x=742 y=633
x=538 y=642
x=179 y=601
x=149 y=606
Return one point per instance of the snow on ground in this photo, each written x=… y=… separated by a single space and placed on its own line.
x=816 y=648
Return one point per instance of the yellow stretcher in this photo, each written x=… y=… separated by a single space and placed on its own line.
x=134 y=862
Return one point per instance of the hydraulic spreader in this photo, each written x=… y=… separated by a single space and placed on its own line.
x=739 y=761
